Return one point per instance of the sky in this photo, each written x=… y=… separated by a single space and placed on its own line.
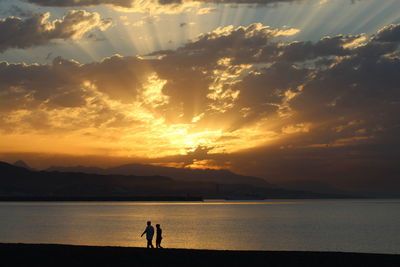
x=280 y=89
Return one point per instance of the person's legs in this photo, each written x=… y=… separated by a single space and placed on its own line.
x=158 y=243
x=150 y=243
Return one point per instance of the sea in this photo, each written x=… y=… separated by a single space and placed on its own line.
x=355 y=225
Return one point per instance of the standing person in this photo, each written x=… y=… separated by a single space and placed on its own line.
x=149 y=231
x=158 y=236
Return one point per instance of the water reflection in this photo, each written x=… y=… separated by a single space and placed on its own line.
x=331 y=225
x=150 y=203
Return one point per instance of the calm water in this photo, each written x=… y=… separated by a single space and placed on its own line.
x=322 y=225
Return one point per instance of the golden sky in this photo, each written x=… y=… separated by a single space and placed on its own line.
x=252 y=86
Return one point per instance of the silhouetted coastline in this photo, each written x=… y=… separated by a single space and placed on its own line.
x=21 y=184
x=100 y=198
x=70 y=255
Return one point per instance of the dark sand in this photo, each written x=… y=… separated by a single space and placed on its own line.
x=68 y=255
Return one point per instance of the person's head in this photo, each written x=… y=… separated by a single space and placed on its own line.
x=148 y=222
x=157 y=225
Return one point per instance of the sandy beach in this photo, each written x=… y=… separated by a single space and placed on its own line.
x=72 y=255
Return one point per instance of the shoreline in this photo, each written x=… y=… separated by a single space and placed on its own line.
x=159 y=198
x=20 y=254
x=96 y=198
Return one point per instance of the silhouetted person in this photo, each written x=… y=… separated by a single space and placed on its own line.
x=149 y=231
x=158 y=236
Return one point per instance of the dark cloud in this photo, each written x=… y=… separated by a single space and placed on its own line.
x=39 y=83
x=275 y=80
x=390 y=33
x=242 y=44
x=362 y=86
x=62 y=83
x=332 y=105
x=119 y=77
x=67 y=85
x=327 y=46
x=344 y=87
x=37 y=30
x=329 y=77
x=326 y=76
x=189 y=69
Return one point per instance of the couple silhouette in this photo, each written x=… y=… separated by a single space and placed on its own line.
x=149 y=231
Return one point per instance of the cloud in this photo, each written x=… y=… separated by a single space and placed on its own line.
x=38 y=30
x=224 y=72
x=64 y=83
x=199 y=65
x=342 y=89
x=241 y=43
x=390 y=33
x=206 y=10
x=242 y=93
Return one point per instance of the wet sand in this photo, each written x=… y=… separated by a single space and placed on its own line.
x=71 y=255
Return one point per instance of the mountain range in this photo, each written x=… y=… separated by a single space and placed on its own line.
x=120 y=182
x=179 y=174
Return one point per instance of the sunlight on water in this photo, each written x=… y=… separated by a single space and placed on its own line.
x=152 y=203
x=327 y=225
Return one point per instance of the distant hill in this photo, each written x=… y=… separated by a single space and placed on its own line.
x=181 y=174
x=21 y=181
x=22 y=164
x=17 y=181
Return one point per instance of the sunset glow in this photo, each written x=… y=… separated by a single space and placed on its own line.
x=201 y=84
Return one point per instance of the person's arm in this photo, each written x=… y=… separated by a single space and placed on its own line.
x=145 y=230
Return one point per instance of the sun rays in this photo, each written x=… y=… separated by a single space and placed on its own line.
x=154 y=84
